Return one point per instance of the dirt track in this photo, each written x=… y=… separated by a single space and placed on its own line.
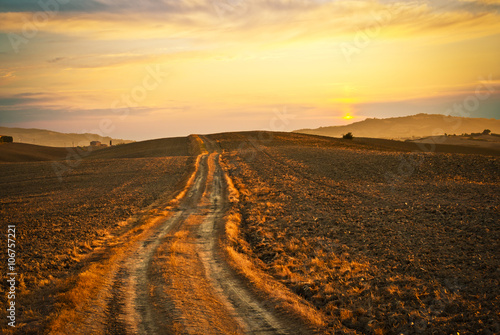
x=173 y=280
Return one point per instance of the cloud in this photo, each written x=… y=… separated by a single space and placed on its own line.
x=56 y=59
x=25 y=99
x=261 y=21
x=16 y=6
x=25 y=113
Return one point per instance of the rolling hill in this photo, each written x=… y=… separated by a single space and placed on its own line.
x=409 y=127
x=55 y=139
x=23 y=152
x=165 y=147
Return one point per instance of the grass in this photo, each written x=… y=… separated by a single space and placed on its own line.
x=371 y=258
x=239 y=255
x=79 y=293
x=197 y=308
x=86 y=292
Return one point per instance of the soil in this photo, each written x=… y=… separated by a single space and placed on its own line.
x=379 y=237
x=380 y=240
x=168 y=275
x=176 y=282
x=22 y=152
x=59 y=222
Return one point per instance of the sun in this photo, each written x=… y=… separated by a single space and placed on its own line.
x=348 y=117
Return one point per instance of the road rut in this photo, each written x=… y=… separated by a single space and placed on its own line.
x=175 y=280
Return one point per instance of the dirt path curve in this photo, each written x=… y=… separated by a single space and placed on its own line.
x=175 y=281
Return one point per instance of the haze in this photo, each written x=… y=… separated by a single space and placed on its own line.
x=156 y=69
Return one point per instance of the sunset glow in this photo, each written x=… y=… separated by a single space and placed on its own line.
x=160 y=69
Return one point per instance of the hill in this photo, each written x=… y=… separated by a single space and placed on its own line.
x=165 y=147
x=186 y=146
x=55 y=139
x=409 y=127
x=365 y=235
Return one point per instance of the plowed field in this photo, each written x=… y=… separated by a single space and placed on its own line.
x=379 y=240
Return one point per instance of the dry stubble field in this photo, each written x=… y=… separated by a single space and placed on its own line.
x=380 y=241
x=58 y=222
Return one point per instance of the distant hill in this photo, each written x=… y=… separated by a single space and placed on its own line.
x=409 y=127
x=55 y=139
x=165 y=147
x=23 y=152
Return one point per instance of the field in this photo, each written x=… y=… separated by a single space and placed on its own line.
x=275 y=231
x=60 y=221
x=379 y=240
x=22 y=152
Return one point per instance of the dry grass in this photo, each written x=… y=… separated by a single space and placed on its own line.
x=72 y=232
x=87 y=292
x=177 y=260
x=80 y=292
x=239 y=255
x=377 y=256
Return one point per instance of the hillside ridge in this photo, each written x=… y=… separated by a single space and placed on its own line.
x=51 y=138
x=408 y=127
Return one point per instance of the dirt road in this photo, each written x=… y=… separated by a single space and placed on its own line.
x=175 y=280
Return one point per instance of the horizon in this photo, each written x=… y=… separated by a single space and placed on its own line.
x=158 y=69
x=235 y=131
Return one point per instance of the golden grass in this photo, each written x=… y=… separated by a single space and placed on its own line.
x=79 y=292
x=202 y=149
x=238 y=254
x=274 y=290
x=196 y=304
x=234 y=194
x=87 y=291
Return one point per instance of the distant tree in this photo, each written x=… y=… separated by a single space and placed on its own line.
x=348 y=136
x=8 y=139
x=486 y=132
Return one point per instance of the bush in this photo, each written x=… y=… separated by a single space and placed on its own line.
x=7 y=139
x=348 y=136
x=486 y=132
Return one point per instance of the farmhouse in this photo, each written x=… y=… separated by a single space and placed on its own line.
x=95 y=143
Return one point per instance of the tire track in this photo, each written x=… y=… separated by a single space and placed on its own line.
x=131 y=309
x=176 y=281
x=248 y=311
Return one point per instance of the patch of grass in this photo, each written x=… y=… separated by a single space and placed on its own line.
x=238 y=253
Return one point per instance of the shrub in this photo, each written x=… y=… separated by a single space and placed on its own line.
x=348 y=136
x=7 y=139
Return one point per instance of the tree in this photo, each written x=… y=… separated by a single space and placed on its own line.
x=7 y=139
x=348 y=136
x=486 y=132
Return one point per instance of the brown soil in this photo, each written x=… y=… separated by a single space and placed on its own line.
x=380 y=241
x=161 y=271
x=177 y=146
x=376 y=236
x=175 y=281
x=59 y=222
x=488 y=142
x=22 y=152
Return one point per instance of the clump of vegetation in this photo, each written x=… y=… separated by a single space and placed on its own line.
x=348 y=136
x=486 y=132
x=6 y=139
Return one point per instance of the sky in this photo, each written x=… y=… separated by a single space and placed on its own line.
x=162 y=68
